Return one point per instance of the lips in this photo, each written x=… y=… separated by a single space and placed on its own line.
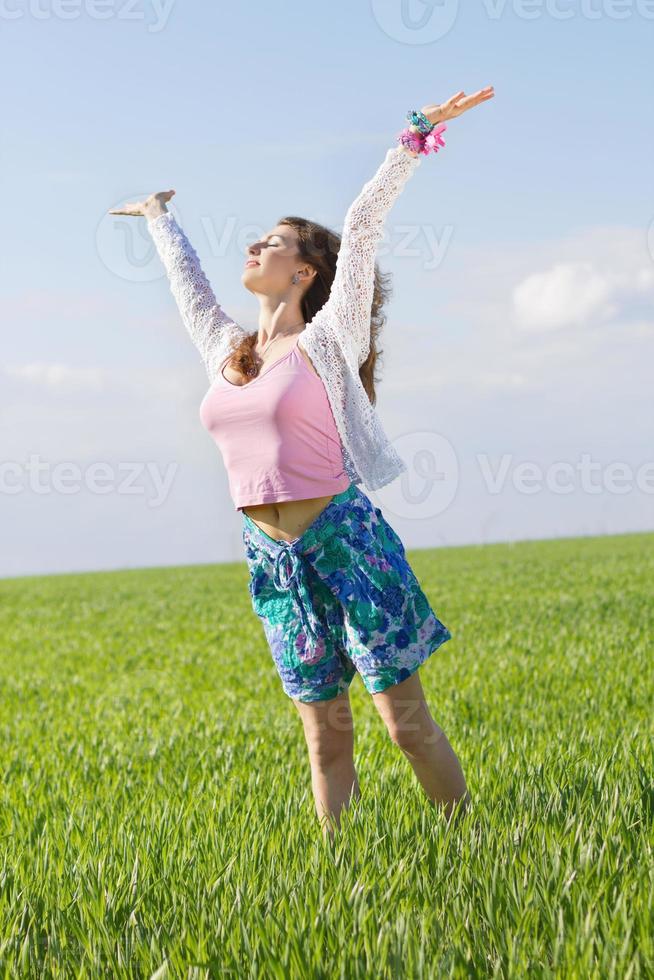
x=251 y=262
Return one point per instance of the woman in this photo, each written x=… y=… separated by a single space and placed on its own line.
x=291 y=407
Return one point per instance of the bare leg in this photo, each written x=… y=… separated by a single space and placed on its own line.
x=329 y=734
x=411 y=726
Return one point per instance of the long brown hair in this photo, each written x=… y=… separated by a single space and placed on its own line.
x=319 y=246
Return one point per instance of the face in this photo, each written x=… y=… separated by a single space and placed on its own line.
x=277 y=258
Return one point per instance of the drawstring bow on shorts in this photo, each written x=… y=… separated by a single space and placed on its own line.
x=289 y=573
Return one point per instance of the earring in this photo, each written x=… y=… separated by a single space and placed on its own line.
x=295 y=278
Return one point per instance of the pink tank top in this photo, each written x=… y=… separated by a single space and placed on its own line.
x=276 y=433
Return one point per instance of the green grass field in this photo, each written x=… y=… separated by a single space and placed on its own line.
x=157 y=815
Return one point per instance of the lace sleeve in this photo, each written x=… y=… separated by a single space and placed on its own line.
x=211 y=330
x=347 y=310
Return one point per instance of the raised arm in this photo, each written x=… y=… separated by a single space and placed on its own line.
x=346 y=314
x=347 y=310
x=212 y=331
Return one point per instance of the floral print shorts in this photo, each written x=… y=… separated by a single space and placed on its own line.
x=340 y=598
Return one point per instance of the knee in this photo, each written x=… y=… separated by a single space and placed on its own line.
x=327 y=749
x=416 y=739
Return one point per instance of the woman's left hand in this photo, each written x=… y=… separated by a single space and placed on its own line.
x=459 y=103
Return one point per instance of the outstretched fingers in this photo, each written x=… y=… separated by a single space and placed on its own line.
x=138 y=208
x=468 y=101
x=133 y=209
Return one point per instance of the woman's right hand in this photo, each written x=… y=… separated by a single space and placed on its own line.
x=152 y=207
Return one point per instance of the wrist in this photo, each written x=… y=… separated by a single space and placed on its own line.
x=432 y=114
x=154 y=209
x=412 y=151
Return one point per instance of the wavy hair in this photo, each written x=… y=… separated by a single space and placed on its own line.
x=319 y=246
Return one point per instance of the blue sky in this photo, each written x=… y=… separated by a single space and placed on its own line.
x=520 y=333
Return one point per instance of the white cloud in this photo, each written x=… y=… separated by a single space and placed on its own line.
x=64 y=380
x=578 y=320
x=58 y=375
x=570 y=294
x=576 y=294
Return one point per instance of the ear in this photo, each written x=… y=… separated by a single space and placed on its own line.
x=308 y=274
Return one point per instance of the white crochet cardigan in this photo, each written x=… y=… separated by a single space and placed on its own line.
x=338 y=337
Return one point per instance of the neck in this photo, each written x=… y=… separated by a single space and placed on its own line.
x=279 y=320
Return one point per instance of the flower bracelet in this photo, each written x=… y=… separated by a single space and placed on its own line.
x=428 y=136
